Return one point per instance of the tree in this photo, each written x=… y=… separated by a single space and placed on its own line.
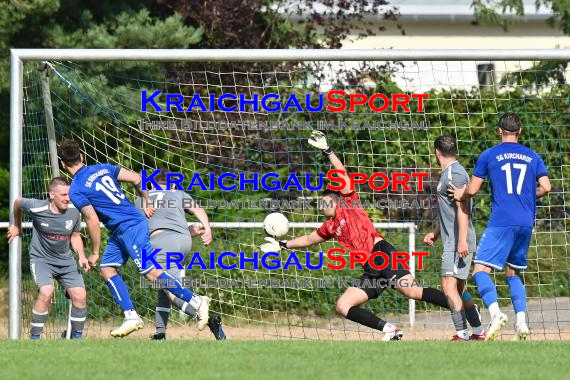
x=495 y=12
x=257 y=24
x=246 y=24
x=541 y=74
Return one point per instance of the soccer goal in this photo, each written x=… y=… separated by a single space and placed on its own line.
x=101 y=99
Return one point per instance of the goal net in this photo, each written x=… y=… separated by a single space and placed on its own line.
x=99 y=105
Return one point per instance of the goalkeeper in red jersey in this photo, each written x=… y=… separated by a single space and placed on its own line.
x=355 y=232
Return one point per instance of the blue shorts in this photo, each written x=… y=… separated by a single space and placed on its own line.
x=504 y=245
x=128 y=242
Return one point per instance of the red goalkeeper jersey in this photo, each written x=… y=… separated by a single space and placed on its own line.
x=351 y=226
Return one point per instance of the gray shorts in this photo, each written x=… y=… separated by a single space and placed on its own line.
x=171 y=241
x=454 y=266
x=68 y=275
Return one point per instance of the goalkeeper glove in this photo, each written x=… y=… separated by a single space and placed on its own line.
x=273 y=245
x=319 y=141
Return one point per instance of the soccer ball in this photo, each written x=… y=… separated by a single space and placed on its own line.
x=276 y=224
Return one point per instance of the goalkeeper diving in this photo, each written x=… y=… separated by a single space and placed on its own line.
x=355 y=232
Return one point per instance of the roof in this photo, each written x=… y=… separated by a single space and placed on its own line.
x=459 y=10
x=421 y=10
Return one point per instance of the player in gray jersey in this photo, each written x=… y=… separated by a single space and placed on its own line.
x=458 y=237
x=169 y=231
x=56 y=226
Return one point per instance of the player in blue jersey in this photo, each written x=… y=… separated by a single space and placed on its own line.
x=513 y=171
x=96 y=192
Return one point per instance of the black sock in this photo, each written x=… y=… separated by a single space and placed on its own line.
x=435 y=297
x=365 y=317
x=473 y=316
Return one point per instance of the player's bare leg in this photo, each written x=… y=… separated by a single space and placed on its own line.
x=518 y=297
x=40 y=311
x=449 y=284
x=348 y=306
x=488 y=293
x=132 y=322
x=192 y=304
x=350 y=298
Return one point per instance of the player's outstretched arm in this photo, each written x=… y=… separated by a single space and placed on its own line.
x=126 y=175
x=274 y=245
x=544 y=187
x=16 y=228
x=319 y=140
x=205 y=232
x=77 y=245
x=94 y=231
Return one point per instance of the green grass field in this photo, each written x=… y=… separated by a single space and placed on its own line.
x=138 y=359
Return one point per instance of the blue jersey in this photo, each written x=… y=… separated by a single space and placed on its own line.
x=513 y=170
x=97 y=185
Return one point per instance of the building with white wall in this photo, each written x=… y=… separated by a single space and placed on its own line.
x=449 y=24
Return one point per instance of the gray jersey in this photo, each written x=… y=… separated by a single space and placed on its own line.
x=457 y=175
x=52 y=232
x=169 y=214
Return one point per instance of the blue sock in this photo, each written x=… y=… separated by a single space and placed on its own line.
x=518 y=293
x=35 y=337
x=175 y=287
x=466 y=296
x=486 y=287
x=120 y=292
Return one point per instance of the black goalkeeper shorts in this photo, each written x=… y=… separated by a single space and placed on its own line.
x=375 y=281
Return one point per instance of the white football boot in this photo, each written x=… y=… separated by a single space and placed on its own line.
x=521 y=332
x=397 y=334
x=495 y=326
x=129 y=325
x=203 y=313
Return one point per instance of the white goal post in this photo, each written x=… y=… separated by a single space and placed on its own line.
x=20 y=56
